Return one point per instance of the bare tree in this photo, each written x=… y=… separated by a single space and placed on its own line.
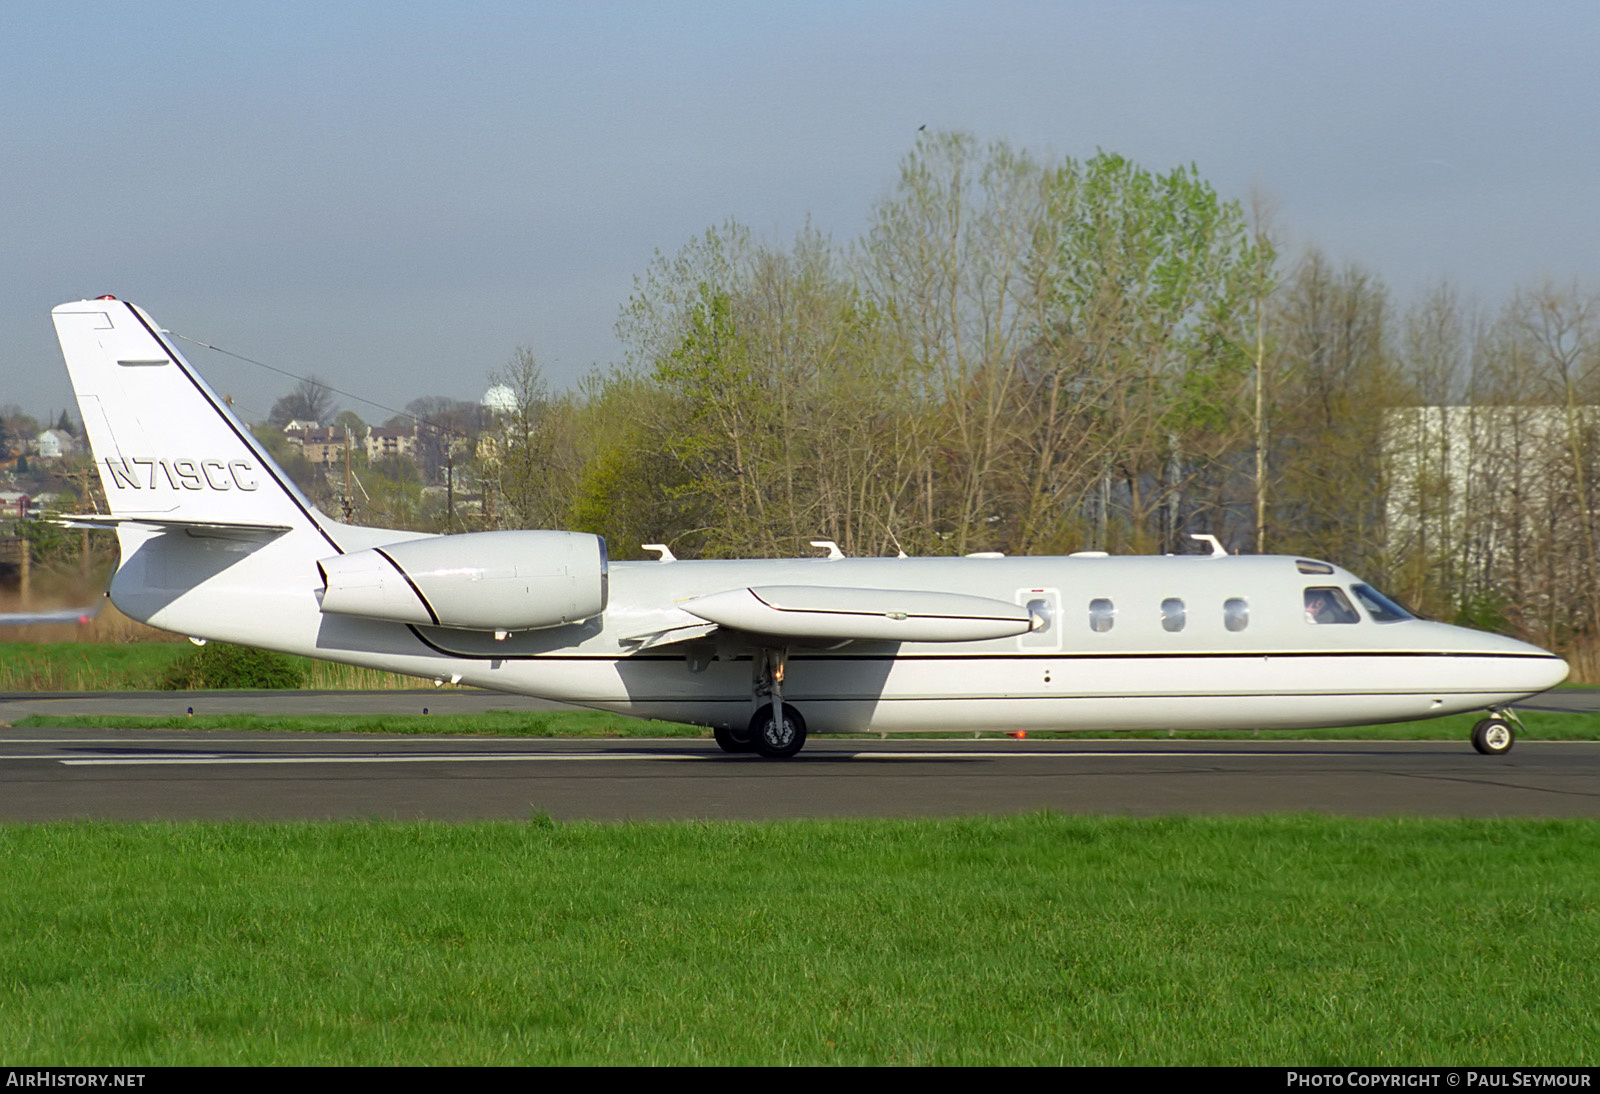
x=1337 y=377
x=516 y=454
x=310 y=401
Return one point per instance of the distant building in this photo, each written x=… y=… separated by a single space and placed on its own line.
x=12 y=502
x=500 y=399
x=1444 y=462
x=53 y=444
x=1503 y=498
x=323 y=447
x=382 y=443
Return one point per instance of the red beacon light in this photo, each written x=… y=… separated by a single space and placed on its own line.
x=107 y=296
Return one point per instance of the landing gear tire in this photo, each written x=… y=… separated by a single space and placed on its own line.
x=778 y=742
x=730 y=741
x=1492 y=737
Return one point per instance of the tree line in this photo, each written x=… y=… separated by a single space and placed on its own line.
x=1040 y=357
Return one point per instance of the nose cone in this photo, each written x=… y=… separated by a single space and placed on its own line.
x=1556 y=671
x=1509 y=664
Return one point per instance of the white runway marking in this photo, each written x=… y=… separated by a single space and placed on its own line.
x=509 y=757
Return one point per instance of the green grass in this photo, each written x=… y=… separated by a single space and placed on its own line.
x=145 y=666
x=503 y=723
x=1037 y=939
x=86 y=666
x=494 y=723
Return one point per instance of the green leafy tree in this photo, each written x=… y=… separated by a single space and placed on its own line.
x=1149 y=278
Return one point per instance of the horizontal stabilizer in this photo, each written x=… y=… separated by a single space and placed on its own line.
x=57 y=615
x=109 y=523
x=890 y=615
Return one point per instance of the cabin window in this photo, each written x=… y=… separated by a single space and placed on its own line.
x=1236 y=613
x=1327 y=604
x=1102 y=614
x=1380 y=609
x=1038 y=616
x=1172 y=614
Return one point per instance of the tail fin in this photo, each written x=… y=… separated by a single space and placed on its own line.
x=169 y=451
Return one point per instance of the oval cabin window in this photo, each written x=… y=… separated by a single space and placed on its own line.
x=1236 y=613
x=1172 y=614
x=1102 y=614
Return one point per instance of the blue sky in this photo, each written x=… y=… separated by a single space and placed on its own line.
x=395 y=196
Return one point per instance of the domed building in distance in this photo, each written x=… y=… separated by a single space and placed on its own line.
x=499 y=399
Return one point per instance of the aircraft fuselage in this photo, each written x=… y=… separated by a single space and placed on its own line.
x=1113 y=654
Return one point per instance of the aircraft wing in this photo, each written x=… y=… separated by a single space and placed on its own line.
x=813 y=612
x=666 y=636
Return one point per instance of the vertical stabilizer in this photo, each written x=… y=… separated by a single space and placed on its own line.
x=168 y=450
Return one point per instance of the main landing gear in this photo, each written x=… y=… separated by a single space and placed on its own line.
x=776 y=730
x=774 y=740
x=730 y=741
x=1495 y=735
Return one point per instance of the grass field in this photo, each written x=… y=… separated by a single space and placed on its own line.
x=85 y=666
x=143 y=666
x=1019 y=940
x=1038 y=939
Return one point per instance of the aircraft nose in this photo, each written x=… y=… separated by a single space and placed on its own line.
x=1537 y=669
x=1508 y=666
x=1558 y=670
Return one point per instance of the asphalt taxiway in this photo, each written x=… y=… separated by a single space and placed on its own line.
x=51 y=774
x=161 y=775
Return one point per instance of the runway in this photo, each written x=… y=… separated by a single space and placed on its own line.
x=60 y=774
x=162 y=775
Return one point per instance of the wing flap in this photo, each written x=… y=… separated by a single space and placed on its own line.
x=889 y=615
x=668 y=636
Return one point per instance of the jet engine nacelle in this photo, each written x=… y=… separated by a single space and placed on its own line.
x=485 y=581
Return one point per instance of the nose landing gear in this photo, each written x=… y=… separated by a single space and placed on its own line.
x=1495 y=735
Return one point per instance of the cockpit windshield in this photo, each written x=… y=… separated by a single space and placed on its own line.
x=1379 y=607
x=1328 y=604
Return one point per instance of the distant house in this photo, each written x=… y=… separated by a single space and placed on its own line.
x=382 y=443
x=323 y=447
x=53 y=444
x=12 y=502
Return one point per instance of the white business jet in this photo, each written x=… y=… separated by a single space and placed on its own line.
x=217 y=543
